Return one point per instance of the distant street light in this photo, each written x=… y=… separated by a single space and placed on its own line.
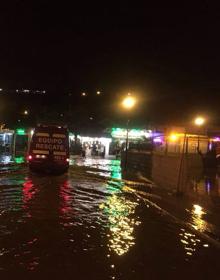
x=128 y=103
x=26 y=112
x=98 y=92
x=83 y=94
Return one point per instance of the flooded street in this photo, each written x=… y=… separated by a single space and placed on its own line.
x=91 y=224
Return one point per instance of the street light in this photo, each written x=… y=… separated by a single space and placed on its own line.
x=128 y=103
x=199 y=121
x=25 y=112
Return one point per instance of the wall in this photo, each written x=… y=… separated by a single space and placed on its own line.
x=137 y=162
x=163 y=169
x=166 y=169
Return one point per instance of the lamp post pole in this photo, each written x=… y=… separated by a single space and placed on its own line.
x=198 y=144
x=128 y=104
x=126 y=145
x=199 y=121
x=181 y=165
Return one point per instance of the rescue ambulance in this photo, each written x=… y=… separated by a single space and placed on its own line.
x=49 y=149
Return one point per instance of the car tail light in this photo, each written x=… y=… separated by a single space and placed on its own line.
x=30 y=157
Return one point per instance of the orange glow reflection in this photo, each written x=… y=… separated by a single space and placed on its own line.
x=197 y=217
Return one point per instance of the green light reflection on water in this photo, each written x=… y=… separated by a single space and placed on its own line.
x=119 y=210
x=115 y=169
x=19 y=160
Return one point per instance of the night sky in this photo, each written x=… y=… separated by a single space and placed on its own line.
x=168 y=55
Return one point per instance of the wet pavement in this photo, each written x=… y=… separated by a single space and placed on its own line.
x=91 y=224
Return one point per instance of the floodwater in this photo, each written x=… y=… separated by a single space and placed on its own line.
x=91 y=224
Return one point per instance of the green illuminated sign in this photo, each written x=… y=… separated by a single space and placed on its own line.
x=20 y=131
x=132 y=133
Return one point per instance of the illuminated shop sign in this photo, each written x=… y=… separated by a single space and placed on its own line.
x=20 y=131
x=132 y=133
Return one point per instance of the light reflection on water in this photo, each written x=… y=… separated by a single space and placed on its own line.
x=120 y=212
x=206 y=185
x=201 y=198
x=198 y=221
x=5 y=159
x=103 y=167
x=19 y=159
x=121 y=224
x=66 y=199
x=77 y=216
x=28 y=191
x=189 y=242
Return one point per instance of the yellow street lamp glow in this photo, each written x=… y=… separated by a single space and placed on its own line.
x=128 y=102
x=199 y=121
x=26 y=112
x=173 y=137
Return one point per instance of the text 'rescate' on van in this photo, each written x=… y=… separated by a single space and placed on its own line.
x=49 y=149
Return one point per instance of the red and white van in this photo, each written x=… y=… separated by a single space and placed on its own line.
x=49 y=149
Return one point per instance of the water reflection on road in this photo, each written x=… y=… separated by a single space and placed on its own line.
x=199 y=200
x=88 y=224
x=103 y=167
x=207 y=183
x=203 y=193
x=120 y=212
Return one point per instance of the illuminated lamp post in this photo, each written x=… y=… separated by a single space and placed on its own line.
x=128 y=104
x=199 y=121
